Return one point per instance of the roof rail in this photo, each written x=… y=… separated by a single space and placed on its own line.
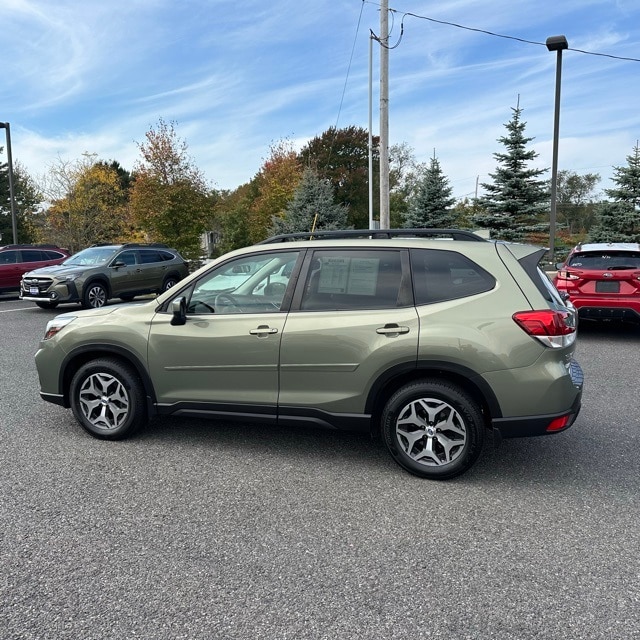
x=453 y=234
x=159 y=245
x=31 y=246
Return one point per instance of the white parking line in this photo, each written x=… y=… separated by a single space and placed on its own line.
x=10 y=310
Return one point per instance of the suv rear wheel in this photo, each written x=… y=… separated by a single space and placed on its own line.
x=170 y=281
x=107 y=399
x=433 y=429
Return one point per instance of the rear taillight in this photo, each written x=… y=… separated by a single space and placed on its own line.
x=555 y=329
x=567 y=275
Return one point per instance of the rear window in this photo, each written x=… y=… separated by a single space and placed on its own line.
x=606 y=260
x=446 y=275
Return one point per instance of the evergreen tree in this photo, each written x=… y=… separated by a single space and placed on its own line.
x=627 y=181
x=312 y=208
x=619 y=221
x=516 y=199
x=433 y=201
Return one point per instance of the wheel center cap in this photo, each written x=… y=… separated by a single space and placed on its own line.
x=431 y=431
x=104 y=401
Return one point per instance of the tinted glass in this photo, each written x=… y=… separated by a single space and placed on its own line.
x=53 y=255
x=166 y=255
x=32 y=255
x=8 y=257
x=128 y=257
x=606 y=260
x=343 y=280
x=446 y=275
x=148 y=256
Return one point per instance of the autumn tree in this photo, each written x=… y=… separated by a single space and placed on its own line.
x=27 y=197
x=575 y=200
x=275 y=185
x=313 y=208
x=88 y=204
x=342 y=157
x=516 y=199
x=170 y=199
x=232 y=215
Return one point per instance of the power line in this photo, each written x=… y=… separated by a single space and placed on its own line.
x=489 y=33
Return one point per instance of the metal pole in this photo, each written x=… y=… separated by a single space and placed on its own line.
x=370 y=134
x=14 y=217
x=555 y=43
x=384 y=114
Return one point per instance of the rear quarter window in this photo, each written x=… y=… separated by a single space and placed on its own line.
x=446 y=275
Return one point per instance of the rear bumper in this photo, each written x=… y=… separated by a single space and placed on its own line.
x=529 y=426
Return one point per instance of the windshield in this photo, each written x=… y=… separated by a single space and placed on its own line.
x=91 y=256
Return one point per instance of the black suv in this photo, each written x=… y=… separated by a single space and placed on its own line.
x=94 y=275
x=18 y=259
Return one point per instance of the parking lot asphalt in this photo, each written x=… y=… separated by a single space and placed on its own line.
x=196 y=529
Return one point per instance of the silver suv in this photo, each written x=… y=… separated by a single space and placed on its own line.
x=94 y=275
x=426 y=338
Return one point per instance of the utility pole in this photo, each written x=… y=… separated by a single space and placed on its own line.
x=384 y=114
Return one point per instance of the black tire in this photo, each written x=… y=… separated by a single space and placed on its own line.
x=47 y=305
x=433 y=429
x=95 y=296
x=169 y=281
x=108 y=400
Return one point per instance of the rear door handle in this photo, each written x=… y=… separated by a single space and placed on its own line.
x=392 y=330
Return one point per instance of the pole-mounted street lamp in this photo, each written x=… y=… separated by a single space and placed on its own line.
x=555 y=43
x=14 y=218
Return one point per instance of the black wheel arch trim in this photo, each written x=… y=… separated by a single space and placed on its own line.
x=85 y=353
x=434 y=367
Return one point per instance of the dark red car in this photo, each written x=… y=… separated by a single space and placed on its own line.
x=18 y=259
x=603 y=280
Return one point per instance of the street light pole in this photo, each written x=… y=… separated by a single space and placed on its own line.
x=14 y=218
x=555 y=43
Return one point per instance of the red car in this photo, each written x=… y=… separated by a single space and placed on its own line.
x=18 y=259
x=603 y=280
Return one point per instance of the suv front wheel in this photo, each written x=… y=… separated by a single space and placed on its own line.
x=95 y=296
x=433 y=429
x=107 y=399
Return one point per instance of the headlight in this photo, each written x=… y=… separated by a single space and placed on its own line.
x=56 y=325
x=70 y=278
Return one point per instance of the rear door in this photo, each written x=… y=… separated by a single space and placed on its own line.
x=352 y=319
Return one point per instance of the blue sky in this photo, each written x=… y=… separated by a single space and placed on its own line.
x=238 y=75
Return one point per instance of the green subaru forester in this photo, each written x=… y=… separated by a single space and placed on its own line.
x=426 y=338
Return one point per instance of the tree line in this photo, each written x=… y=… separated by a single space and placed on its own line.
x=324 y=185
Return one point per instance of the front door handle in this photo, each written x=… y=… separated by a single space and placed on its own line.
x=263 y=331
x=392 y=330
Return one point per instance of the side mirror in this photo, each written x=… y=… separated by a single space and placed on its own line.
x=118 y=263
x=179 y=311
